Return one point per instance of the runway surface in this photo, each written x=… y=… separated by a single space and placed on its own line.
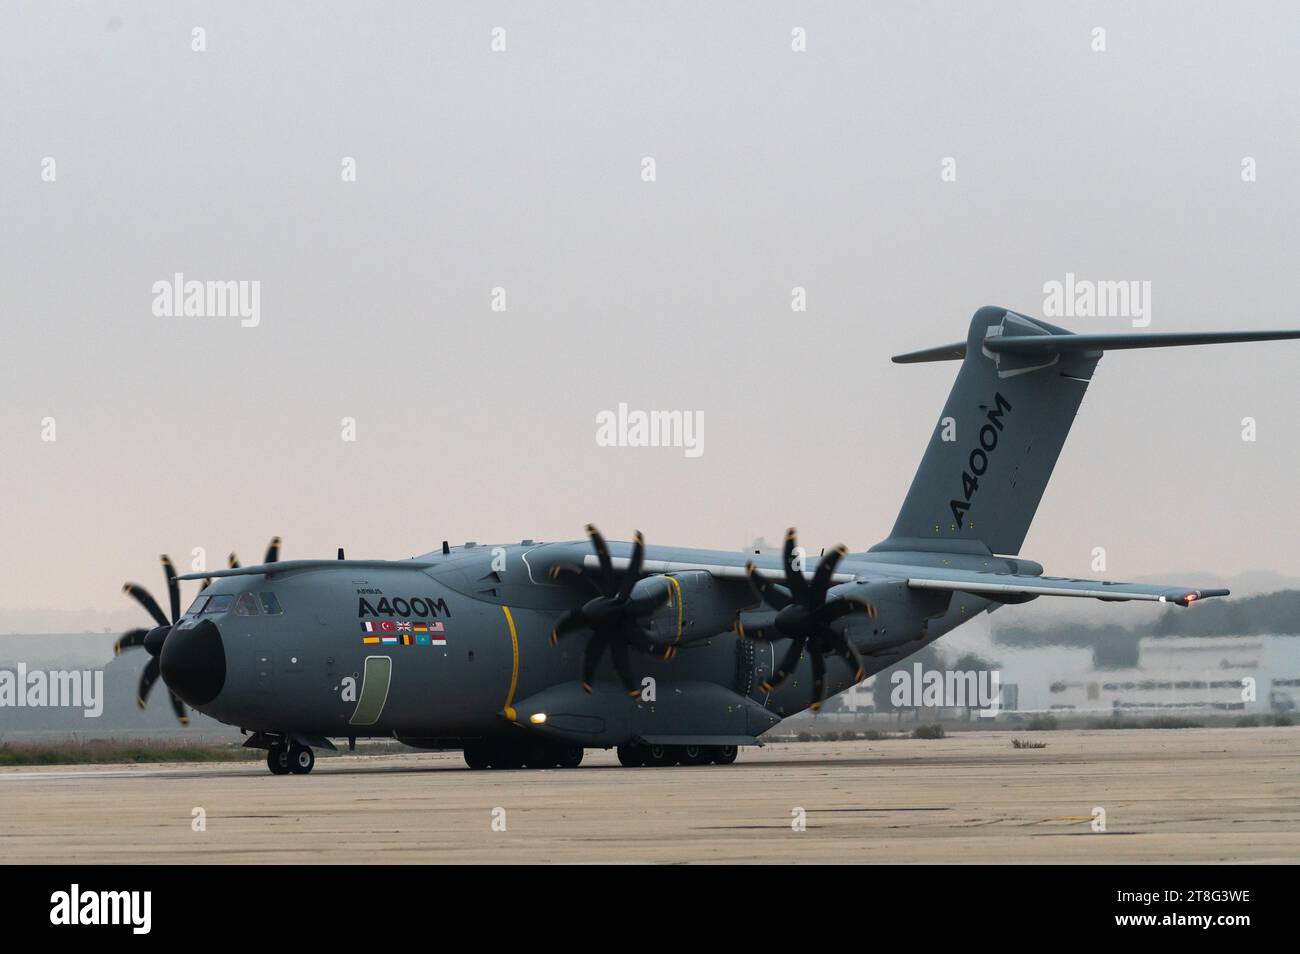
x=1185 y=795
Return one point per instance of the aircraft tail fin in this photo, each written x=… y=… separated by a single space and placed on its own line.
x=988 y=462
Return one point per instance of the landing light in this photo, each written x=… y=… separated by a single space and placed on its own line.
x=537 y=718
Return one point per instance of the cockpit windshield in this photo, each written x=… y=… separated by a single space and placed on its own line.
x=244 y=604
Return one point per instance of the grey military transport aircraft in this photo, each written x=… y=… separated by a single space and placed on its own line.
x=527 y=654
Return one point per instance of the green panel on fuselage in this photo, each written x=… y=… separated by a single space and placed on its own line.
x=374 y=690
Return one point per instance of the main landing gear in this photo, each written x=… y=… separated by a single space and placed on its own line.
x=283 y=759
x=532 y=754
x=660 y=755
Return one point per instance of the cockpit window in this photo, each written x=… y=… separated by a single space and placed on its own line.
x=270 y=605
x=246 y=605
x=197 y=606
x=219 y=604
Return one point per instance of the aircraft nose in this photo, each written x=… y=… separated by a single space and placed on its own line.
x=193 y=663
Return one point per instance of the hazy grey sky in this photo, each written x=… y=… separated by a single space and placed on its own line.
x=523 y=169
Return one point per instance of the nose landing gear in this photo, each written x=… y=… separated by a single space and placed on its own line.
x=295 y=758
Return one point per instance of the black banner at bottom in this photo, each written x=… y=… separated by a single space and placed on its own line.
x=222 y=904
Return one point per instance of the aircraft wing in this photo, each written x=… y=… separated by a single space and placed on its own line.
x=719 y=571
x=1009 y=586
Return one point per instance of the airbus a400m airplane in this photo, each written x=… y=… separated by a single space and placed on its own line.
x=530 y=653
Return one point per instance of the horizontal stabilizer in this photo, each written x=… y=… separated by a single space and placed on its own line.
x=1074 y=344
x=1008 y=587
x=1046 y=345
x=949 y=352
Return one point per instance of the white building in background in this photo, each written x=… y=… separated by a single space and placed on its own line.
x=1245 y=674
x=1249 y=675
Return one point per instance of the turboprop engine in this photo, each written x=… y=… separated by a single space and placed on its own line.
x=696 y=607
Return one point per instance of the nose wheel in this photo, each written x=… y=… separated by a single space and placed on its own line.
x=295 y=758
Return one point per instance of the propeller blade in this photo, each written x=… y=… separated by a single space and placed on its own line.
x=147 y=679
x=819 y=680
x=232 y=561
x=822 y=578
x=591 y=657
x=273 y=551
x=793 y=578
x=850 y=652
x=633 y=571
x=767 y=591
x=564 y=570
x=173 y=588
x=141 y=596
x=567 y=625
x=643 y=641
x=179 y=708
x=757 y=624
x=622 y=665
x=129 y=640
x=207 y=581
x=788 y=665
x=602 y=554
x=836 y=609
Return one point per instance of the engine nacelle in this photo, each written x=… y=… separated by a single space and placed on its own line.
x=696 y=606
x=895 y=614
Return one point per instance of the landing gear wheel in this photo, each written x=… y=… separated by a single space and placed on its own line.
x=277 y=760
x=661 y=755
x=476 y=756
x=506 y=756
x=301 y=759
x=540 y=755
x=631 y=756
x=723 y=754
x=694 y=754
x=570 y=756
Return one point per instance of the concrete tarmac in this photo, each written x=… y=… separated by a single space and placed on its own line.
x=1178 y=795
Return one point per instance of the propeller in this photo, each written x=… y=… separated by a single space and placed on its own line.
x=804 y=616
x=272 y=555
x=612 y=614
x=151 y=640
